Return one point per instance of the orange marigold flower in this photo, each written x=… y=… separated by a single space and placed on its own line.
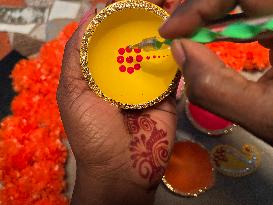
x=32 y=154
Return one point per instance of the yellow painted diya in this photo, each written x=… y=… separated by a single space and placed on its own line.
x=127 y=78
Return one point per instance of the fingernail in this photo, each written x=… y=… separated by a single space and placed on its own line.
x=178 y=53
x=86 y=16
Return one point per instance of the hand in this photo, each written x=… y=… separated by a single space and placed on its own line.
x=120 y=155
x=208 y=83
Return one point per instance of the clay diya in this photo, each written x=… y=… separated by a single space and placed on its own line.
x=127 y=78
x=190 y=171
x=207 y=122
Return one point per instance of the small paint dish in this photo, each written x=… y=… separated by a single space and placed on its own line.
x=234 y=162
x=189 y=171
x=207 y=122
x=127 y=78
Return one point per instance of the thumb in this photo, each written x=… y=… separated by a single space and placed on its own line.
x=199 y=66
x=191 y=55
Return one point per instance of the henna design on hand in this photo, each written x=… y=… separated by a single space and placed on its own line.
x=148 y=147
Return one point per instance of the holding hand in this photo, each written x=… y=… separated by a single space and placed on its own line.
x=121 y=155
x=209 y=83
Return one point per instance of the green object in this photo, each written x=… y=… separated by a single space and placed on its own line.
x=204 y=35
x=241 y=31
x=158 y=44
x=268 y=25
x=238 y=30
x=168 y=42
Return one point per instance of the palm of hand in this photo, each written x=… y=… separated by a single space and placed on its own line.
x=107 y=139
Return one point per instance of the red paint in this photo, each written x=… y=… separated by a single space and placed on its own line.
x=148 y=57
x=122 y=68
x=137 y=66
x=206 y=119
x=130 y=70
x=129 y=59
x=158 y=56
x=121 y=51
x=137 y=50
x=154 y=56
x=128 y=49
x=120 y=59
x=139 y=58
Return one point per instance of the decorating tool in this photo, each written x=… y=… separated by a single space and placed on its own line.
x=234 y=28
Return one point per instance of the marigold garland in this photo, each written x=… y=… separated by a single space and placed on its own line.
x=32 y=154
x=242 y=56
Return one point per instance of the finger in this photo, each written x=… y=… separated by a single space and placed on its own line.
x=268 y=76
x=157 y=2
x=71 y=58
x=257 y=8
x=193 y=14
x=268 y=43
x=72 y=81
x=110 y=2
x=198 y=64
x=211 y=85
x=171 y=5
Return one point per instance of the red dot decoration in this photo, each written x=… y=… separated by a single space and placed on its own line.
x=130 y=70
x=122 y=68
x=128 y=49
x=139 y=58
x=137 y=50
x=120 y=59
x=154 y=56
x=129 y=59
x=121 y=51
x=137 y=66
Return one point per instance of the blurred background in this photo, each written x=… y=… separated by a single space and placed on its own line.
x=25 y=25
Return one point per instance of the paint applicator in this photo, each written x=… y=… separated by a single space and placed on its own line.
x=233 y=28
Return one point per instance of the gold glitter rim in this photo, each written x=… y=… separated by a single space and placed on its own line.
x=235 y=175
x=102 y=15
x=200 y=191
x=228 y=130
x=189 y=195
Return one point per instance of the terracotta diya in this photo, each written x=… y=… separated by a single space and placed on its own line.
x=207 y=122
x=127 y=78
x=190 y=171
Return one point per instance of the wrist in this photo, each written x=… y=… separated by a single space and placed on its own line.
x=101 y=186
